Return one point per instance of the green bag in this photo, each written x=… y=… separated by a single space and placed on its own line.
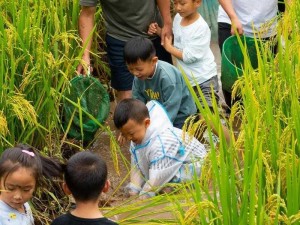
x=93 y=99
x=233 y=59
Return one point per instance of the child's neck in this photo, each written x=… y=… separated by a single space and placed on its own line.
x=88 y=210
x=185 y=21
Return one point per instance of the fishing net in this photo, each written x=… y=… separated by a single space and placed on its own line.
x=86 y=98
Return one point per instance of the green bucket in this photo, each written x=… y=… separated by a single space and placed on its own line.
x=233 y=59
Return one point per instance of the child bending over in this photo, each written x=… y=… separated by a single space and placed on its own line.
x=160 y=153
x=158 y=80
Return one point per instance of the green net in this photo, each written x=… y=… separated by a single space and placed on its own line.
x=233 y=59
x=85 y=96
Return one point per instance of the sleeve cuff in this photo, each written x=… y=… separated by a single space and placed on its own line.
x=133 y=188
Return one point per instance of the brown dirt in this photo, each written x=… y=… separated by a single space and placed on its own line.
x=118 y=175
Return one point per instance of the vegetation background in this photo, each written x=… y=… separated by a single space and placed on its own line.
x=255 y=180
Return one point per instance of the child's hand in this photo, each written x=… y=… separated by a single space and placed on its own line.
x=121 y=139
x=131 y=190
x=154 y=29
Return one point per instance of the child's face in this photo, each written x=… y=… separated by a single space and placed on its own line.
x=185 y=8
x=143 y=69
x=18 y=188
x=134 y=131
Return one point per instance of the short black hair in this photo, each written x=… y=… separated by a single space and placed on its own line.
x=130 y=109
x=138 y=48
x=86 y=175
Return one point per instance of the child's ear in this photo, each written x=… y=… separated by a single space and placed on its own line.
x=147 y=122
x=106 y=186
x=66 y=189
x=154 y=59
x=198 y=2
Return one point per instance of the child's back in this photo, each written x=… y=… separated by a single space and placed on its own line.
x=85 y=178
x=69 y=219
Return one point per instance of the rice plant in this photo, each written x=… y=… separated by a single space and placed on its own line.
x=39 y=48
x=256 y=179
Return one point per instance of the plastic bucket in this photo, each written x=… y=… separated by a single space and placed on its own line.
x=233 y=59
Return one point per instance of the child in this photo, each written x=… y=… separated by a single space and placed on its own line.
x=159 y=153
x=158 y=80
x=192 y=48
x=85 y=178
x=20 y=171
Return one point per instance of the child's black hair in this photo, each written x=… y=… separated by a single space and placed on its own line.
x=130 y=109
x=85 y=176
x=138 y=48
x=23 y=156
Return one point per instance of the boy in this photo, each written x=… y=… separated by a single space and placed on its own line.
x=192 y=48
x=158 y=80
x=160 y=153
x=85 y=178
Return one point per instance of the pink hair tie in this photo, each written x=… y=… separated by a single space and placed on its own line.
x=28 y=152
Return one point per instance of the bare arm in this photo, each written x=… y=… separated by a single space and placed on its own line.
x=165 y=11
x=235 y=22
x=171 y=49
x=86 y=24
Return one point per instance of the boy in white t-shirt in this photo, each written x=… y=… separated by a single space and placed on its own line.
x=192 y=47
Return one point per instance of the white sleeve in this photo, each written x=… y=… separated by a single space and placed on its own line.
x=160 y=173
x=196 y=48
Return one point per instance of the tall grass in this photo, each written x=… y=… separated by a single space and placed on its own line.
x=256 y=179
x=38 y=55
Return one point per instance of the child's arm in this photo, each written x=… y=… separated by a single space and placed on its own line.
x=154 y=29
x=137 y=180
x=172 y=96
x=160 y=173
x=136 y=92
x=171 y=49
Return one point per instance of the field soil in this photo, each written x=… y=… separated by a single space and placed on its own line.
x=117 y=173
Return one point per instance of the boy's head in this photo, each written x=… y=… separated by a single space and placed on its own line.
x=86 y=176
x=187 y=8
x=132 y=118
x=140 y=57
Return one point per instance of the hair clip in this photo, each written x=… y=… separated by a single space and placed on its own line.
x=28 y=152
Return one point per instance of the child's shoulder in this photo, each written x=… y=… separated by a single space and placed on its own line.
x=69 y=219
x=167 y=68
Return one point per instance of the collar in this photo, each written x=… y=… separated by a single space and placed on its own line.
x=149 y=78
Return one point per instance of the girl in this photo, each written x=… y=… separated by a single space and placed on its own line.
x=20 y=171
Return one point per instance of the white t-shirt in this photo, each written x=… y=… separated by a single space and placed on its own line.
x=194 y=41
x=257 y=14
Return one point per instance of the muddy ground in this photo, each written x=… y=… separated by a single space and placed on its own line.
x=117 y=174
